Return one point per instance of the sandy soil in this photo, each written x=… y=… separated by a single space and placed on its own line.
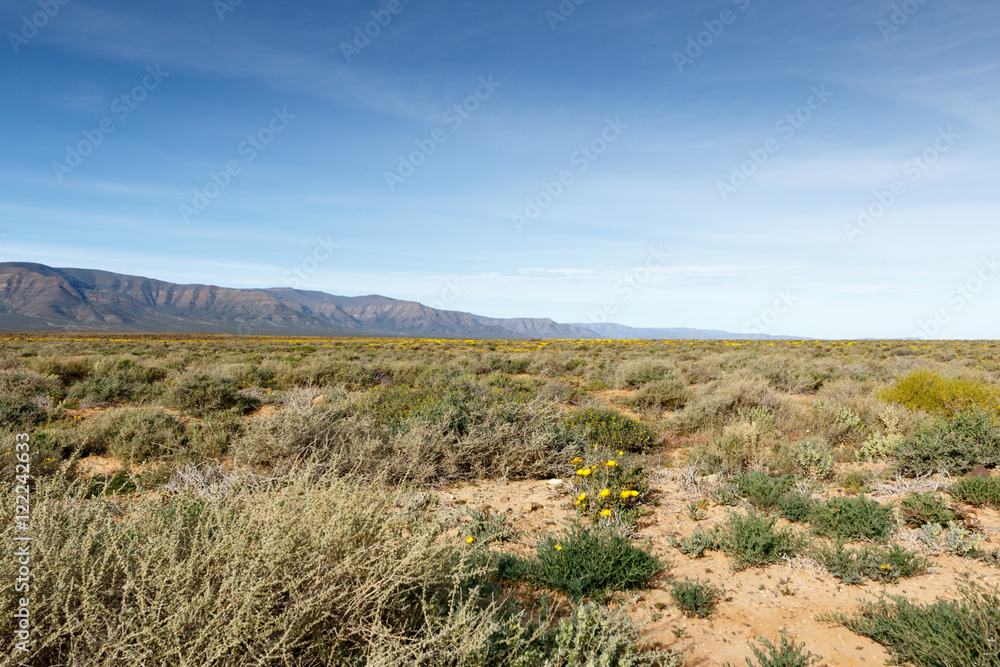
x=759 y=602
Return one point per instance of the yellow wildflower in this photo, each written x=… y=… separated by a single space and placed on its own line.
x=470 y=540
x=605 y=512
x=605 y=493
x=583 y=472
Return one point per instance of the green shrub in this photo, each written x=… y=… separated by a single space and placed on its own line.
x=937 y=634
x=736 y=448
x=669 y=394
x=941 y=396
x=918 y=509
x=67 y=370
x=695 y=598
x=101 y=389
x=119 y=483
x=954 y=446
x=976 y=490
x=795 y=506
x=638 y=374
x=205 y=393
x=853 y=518
x=856 y=481
x=27 y=384
x=19 y=413
x=753 y=541
x=700 y=541
x=762 y=491
x=606 y=427
x=887 y=565
x=586 y=561
x=782 y=654
x=609 y=486
x=485 y=527
x=134 y=435
x=510 y=365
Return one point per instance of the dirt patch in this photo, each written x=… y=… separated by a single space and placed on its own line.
x=759 y=602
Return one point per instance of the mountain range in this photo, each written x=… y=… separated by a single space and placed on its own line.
x=35 y=297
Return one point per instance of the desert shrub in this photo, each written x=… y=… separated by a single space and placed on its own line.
x=954 y=537
x=753 y=541
x=795 y=506
x=956 y=446
x=324 y=573
x=589 y=636
x=133 y=435
x=853 y=518
x=884 y=443
x=814 y=457
x=918 y=509
x=485 y=527
x=639 y=373
x=669 y=394
x=695 y=598
x=116 y=484
x=976 y=490
x=700 y=541
x=937 y=634
x=27 y=384
x=606 y=427
x=585 y=561
x=724 y=401
x=253 y=375
x=45 y=457
x=783 y=654
x=491 y=436
x=67 y=370
x=854 y=566
x=760 y=490
x=103 y=389
x=941 y=396
x=205 y=393
x=737 y=447
x=509 y=365
x=19 y=413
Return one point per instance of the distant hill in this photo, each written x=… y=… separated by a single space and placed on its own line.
x=620 y=331
x=35 y=297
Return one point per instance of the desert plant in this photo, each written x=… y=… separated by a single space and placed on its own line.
x=853 y=566
x=608 y=428
x=856 y=481
x=918 y=509
x=700 y=541
x=205 y=393
x=586 y=561
x=795 y=506
x=485 y=527
x=133 y=435
x=753 y=541
x=976 y=490
x=668 y=394
x=815 y=457
x=941 y=396
x=695 y=598
x=853 y=518
x=955 y=446
x=937 y=634
x=762 y=491
x=782 y=654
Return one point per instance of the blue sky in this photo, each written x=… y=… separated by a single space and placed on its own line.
x=649 y=163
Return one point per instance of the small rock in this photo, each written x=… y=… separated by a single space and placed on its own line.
x=485 y=509
x=980 y=472
x=555 y=482
x=530 y=507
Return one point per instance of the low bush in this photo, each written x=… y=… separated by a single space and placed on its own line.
x=700 y=541
x=695 y=598
x=608 y=428
x=942 y=396
x=853 y=566
x=133 y=435
x=856 y=481
x=20 y=413
x=721 y=402
x=762 y=491
x=783 y=654
x=955 y=446
x=918 y=509
x=640 y=373
x=609 y=487
x=853 y=518
x=937 y=634
x=815 y=458
x=796 y=506
x=753 y=541
x=205 y=393
x=978 y=491
x=669 y=394
x=585 y=561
